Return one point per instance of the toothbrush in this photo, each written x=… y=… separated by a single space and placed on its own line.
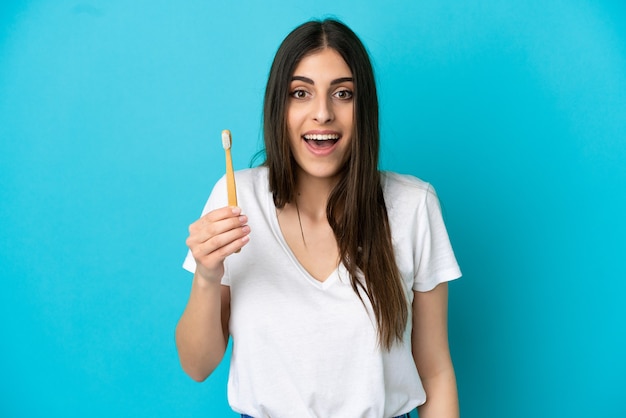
x=230 y=174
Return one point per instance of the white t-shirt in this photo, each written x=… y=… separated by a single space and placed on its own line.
x=305 y=348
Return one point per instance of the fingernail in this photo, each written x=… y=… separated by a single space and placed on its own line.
x=243 y=219
x=236 y=210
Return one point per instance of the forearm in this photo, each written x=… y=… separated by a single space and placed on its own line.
x=441 y=396
x=432 y=353
x=200 y=336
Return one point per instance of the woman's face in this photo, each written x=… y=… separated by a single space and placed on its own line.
x=320 y=114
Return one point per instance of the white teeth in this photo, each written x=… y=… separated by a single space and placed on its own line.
x=324 y=137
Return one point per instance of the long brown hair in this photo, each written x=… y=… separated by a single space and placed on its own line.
x=356 y=208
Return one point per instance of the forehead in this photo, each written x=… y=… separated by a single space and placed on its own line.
x=327 y=63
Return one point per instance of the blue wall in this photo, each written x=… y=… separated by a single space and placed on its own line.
x=110 y=120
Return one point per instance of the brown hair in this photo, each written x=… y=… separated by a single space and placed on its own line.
x=356 y=208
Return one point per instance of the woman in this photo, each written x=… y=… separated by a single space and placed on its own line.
x=338 y=296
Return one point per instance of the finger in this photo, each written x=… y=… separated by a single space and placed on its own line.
x=220 y=246
x=215 y=215
x=222 y=213
x=232 y=247
x=203 y=229
x=226 y=238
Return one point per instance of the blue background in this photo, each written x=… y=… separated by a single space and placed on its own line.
x=110 y=120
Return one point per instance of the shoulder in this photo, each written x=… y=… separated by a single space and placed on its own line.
x=405 y=186
x=407 y=196
x=252 y=180
x=252 y=175
x=252 y=186
x=248 y=182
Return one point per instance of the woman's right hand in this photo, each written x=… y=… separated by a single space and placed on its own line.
x=215 y=236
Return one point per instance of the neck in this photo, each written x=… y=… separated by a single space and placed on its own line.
x=312 y=195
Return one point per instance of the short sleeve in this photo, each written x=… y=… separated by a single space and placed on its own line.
x=434 y=258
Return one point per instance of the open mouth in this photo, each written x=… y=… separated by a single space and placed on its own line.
x=321 y=141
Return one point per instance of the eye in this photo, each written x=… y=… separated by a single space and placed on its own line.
x=343 y=94
x=299 y=94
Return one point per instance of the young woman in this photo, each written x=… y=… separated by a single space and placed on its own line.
x=338 y=296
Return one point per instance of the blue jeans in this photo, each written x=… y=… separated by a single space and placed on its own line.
x=401 y=416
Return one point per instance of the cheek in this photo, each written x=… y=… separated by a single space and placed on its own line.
x=293 y=120
x=350 y=114
x=345 y=115
x=293 y=132
x=347 y=147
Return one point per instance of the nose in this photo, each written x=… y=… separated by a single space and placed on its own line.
x=323 y=112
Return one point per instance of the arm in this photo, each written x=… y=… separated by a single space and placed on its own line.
x=202 y=331
x=432 y=353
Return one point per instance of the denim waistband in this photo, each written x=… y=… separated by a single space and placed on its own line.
x=399 y=416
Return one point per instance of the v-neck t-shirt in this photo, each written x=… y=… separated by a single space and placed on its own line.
x=308 y=348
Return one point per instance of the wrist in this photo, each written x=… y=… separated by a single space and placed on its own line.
x=207 y=281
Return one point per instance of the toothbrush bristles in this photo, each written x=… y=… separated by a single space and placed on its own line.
x=226 y=139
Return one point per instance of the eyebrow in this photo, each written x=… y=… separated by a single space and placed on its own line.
x=309 y=81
